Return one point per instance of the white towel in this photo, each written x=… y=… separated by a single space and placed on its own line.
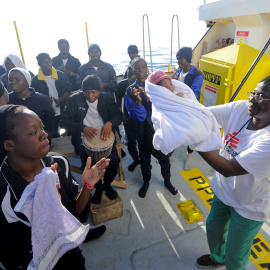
x=178 y=121
x=54 y=229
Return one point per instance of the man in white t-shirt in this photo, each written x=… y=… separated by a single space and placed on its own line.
x=241 y=183
x=85 y=110
x=53 y=83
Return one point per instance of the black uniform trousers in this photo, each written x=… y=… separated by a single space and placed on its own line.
x=145 y=157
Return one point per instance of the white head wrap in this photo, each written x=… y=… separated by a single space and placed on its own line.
x=24 y=72
x=17 y=62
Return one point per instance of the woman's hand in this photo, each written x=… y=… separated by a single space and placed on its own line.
x=92 y=175
x=54 y=168
x=136 y=93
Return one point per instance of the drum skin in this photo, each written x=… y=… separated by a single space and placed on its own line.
x=97 y=147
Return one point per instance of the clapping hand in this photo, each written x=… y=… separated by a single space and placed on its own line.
x=92 y=175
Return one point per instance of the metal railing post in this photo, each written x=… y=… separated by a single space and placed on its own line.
x=172 y=35
x=145 y=15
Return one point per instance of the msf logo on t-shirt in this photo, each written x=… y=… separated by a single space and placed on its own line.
x=231 y=143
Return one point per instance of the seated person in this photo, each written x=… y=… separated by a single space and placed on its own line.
x=23 y=94
x=10 y=62
x=2 y=70
x=103 y=70
x=67 y=63
x=26 y=143
x=85 y=110
x=3 y=94
x=54 y=84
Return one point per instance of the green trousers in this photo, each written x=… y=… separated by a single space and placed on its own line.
x=230 y=236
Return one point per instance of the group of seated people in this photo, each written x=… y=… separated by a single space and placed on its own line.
x=80 y=98
x=38 y=105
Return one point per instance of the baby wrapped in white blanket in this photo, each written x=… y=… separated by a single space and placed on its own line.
x=180 y=121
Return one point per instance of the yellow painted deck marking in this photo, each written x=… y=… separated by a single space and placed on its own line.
x=190 y=211
x=201 y=185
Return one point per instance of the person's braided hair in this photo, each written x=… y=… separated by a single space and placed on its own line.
x=266 y=81
x=7 y=115
x=12 y=113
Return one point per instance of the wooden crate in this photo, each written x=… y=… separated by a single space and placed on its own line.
x=107 y=209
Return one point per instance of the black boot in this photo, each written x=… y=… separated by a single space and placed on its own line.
x=142 y=192
x=111 y=193
x=133 y=165
x=96 y=199
x=95 y=233
x=170 y=187
x=123 y=153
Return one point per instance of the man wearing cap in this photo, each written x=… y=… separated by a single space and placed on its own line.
x=67 y=63
x=187 y=73
x=103 y=70
x=52 y=83
x=132 y=52
x=85 y=110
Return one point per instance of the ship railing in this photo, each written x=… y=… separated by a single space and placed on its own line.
x=146 y=16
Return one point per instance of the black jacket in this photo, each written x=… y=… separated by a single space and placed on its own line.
x=72 y=65
x=76 y=109
x=62 y=85
x=38 y=103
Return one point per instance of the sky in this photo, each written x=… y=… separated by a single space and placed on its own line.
x=112 y=24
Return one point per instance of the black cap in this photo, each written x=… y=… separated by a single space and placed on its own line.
x=91 y=82
x=41 y=57
x=60 y=41
x=93 y=46
x=185 y=52
x=132 y=49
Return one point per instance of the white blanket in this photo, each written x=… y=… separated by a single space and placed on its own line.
x=178 y=121
x=54 y=230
